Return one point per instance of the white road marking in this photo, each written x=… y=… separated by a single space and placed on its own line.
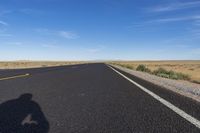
x=17 y=76
x=180 y=112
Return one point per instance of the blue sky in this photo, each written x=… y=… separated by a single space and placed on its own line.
x=99 y=29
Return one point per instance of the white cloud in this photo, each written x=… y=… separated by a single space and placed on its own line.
x=15 y=43
x=4 y=12
x=195 y=20
x=187 y=18
x=3 y=23
x=98 y=49
x=182 y=46
x=5 y=35
x=176 y=6
x=67 y=34
x=3 y=30
x=59 y=33
x=30 y=11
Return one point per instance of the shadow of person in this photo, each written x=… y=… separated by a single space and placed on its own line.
x=22 y=115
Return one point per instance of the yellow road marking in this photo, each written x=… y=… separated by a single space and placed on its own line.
x=17 y=76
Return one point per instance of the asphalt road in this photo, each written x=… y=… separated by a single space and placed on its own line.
x=88 y=98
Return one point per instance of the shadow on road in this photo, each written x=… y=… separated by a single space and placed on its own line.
x=22 y=115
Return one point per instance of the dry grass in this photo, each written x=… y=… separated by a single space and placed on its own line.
x=35 y=64
x=191 y=68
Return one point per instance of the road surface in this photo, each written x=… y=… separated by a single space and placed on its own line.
x=90 y=98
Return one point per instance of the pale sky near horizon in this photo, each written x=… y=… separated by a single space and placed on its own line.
x=99 y=29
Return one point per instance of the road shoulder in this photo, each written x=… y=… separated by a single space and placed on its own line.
x=184 y=88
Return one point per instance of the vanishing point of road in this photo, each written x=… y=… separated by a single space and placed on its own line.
x=93 y=98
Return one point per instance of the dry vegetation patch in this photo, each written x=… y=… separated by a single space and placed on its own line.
x=35 y=64
x=190 y=68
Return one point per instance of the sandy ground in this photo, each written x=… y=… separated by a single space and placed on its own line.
x=191 y=68
x=35 y=64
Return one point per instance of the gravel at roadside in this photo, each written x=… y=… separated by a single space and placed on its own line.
x=185 y=88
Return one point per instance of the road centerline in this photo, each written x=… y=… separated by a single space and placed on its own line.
x=177 y=110
x=16 y=76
